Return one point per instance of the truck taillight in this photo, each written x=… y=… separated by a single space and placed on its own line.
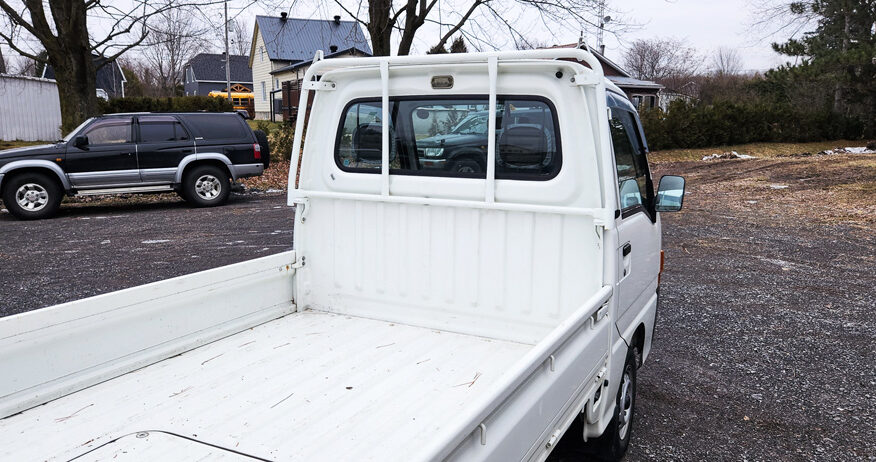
x=256 y=151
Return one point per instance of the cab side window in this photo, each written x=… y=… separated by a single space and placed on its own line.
x=110 y=131
x=161 y=128
x=629 y=154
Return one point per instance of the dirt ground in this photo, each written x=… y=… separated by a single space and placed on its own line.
x=764 y=344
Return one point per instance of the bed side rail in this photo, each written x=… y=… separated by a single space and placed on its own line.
x=55 y=351
x=538 y=387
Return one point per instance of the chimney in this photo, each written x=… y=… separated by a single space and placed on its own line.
x=283 y=16
x=337 y=19
x=333 y=48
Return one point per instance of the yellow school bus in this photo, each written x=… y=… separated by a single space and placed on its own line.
x=239 y=100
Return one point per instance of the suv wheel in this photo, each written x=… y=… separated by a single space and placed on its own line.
x=32 y=196
x=206 y=186
x=467 y=166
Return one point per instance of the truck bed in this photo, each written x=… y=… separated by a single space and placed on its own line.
x=308 y=386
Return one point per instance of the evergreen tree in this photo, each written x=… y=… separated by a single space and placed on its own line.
x=840 y=53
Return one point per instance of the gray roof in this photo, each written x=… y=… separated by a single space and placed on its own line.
x=296 y=39
x=629 y=82
x=296 y=65
x=211 y=67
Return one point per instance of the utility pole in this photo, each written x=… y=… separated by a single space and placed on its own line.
x=227 y=57
x=599 y=44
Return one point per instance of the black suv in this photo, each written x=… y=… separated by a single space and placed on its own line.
x=195 y=154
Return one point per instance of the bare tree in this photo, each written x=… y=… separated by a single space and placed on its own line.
x=406 y=17
x=668 y=61
x=726 y=62
x=61 y=28
x=173 y=40
x=240 y=37
x=785 y=18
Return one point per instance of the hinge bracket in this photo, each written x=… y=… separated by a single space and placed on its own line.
x=319 y=85
x=302 y=206
x=585 y=78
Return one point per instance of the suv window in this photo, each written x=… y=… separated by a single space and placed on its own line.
x=629 y=154
x=161 y=128
x=116 y=130
x=218 y=126
x=448 y=137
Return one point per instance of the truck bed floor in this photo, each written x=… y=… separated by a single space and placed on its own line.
x=308 y=386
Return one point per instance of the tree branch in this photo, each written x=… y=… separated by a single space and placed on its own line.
x=18 y=50
x=338 y=2
x=459 y=24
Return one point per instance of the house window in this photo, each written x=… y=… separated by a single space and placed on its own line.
x=264 y=92
x=262 y=54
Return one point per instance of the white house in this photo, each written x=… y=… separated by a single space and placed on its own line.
x=283 y=47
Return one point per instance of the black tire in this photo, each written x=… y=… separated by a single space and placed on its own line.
x=613 y=443
x=262 y=138
x=205 y=186
x=41 y=191
x=467 y=166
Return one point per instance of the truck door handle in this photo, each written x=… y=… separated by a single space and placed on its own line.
x=627 y=249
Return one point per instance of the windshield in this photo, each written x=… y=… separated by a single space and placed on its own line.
x=474 y=125
x=76 y=130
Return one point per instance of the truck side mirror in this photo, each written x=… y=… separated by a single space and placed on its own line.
x=80 y=141
x=670 y=193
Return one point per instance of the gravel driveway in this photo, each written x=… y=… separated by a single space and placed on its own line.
x=94 y=248
x=764 y=345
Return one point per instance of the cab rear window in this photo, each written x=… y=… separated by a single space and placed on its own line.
x=448 y=137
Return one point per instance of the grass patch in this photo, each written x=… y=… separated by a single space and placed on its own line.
x=761 y=150
x=18 y=144
x=265 y=125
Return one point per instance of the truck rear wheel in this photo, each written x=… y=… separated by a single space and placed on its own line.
x=613 y=443
x=32 y=196
x=205 y=186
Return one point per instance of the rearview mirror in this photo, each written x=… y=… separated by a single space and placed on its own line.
x=80 y=141
x=670 y=193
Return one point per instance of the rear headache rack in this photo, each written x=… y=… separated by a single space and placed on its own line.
x=585 y=77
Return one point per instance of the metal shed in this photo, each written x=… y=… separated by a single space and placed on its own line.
x=32 y=109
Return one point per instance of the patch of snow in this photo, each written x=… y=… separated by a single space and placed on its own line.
x=275 y=190
x=848 y=150
x=105 y=242
x=155 y=241
x=751 y=202
x=728 y=155
x=779 y=186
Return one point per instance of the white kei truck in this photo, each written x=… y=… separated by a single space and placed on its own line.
x=476 y=262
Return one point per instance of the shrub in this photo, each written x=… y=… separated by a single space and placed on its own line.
x=175 y=104
x=726 y=123
x=281 y=140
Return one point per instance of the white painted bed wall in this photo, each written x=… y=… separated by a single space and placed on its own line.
x=504 y=274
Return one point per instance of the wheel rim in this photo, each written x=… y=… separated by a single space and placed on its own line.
x=208 y=187
x=626 y=403
x=32 y=197
x=465 y=169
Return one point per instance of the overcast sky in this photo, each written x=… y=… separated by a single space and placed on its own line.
x=704 y=24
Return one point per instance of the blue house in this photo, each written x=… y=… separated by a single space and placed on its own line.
x=206 y=72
